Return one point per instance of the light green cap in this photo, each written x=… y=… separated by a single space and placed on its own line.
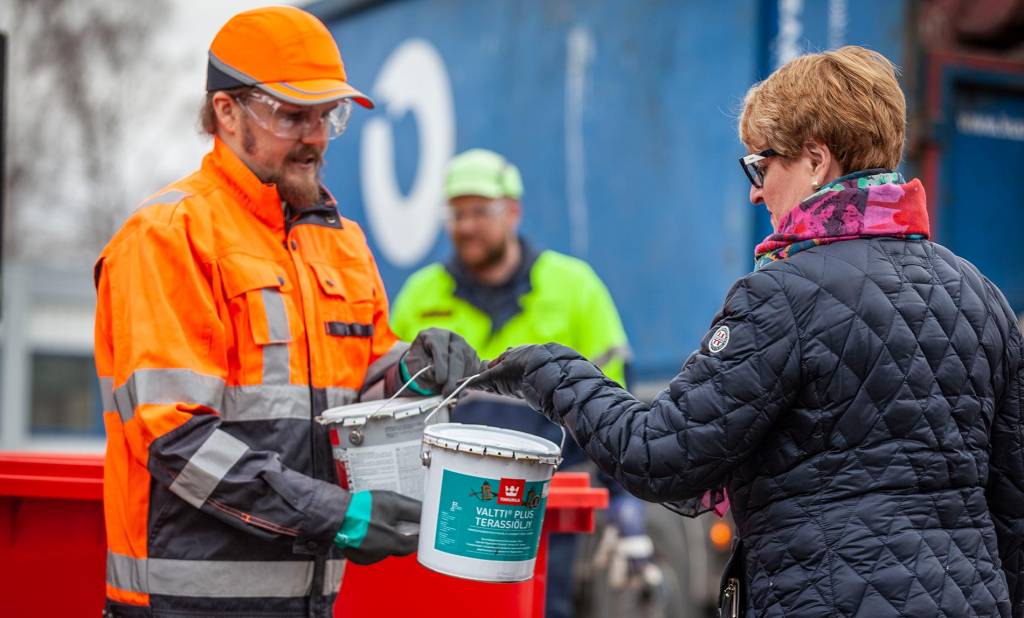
x=484 y=173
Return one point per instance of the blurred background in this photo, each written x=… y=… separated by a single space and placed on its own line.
x=620 y=114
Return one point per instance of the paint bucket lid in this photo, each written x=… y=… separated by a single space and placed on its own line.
x=493 y=442
x=360 y=413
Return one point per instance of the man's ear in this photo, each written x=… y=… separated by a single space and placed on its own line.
x=514 y=211
x=228 y=113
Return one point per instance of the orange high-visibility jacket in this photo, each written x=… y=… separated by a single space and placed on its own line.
x=224 y=325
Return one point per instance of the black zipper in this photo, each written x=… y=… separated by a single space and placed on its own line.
x=319 y=562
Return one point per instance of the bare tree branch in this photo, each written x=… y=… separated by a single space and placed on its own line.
x=74 y=66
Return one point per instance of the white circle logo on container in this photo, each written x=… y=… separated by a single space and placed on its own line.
x=414 y=79
x=719 y=340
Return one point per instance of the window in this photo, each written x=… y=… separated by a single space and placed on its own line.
x=65 y=396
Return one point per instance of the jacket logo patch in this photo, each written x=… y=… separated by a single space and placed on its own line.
x=719 y=340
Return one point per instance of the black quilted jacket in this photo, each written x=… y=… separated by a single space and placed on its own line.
x=862 y=403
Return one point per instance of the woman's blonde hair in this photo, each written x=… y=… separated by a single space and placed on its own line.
x=847 y=99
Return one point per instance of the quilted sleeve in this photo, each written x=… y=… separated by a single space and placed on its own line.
x=1005 y=490
x=714 y=413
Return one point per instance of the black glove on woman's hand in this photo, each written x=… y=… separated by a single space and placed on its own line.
x=504 y=375
x=452 y=360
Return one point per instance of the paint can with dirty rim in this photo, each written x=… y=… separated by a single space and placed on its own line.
x=484 y=499
x=376 y=445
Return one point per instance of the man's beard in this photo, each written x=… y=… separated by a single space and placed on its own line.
x=297 y=193
x=492 y=255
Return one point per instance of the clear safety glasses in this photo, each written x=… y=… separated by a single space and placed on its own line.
x=295 y=122
x=753 y=167
x=476 y=213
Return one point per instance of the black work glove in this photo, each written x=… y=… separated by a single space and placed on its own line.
x=378 y=524
x=450 y=357
x=504 y=375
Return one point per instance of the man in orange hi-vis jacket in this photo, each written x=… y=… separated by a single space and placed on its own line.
x=234 y=307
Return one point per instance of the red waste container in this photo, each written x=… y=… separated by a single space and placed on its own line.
x=53 y=545
x=401 y=587
x=53 y=550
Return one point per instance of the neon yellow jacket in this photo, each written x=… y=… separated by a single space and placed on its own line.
x=568 y=304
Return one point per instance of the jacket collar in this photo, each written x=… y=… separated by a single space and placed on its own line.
x=324 y=213
x=259 y=198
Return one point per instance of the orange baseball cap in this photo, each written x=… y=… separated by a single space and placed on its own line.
x=285 y=52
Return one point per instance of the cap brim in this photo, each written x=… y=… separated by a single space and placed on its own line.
x=314 y=91
x=473 y=186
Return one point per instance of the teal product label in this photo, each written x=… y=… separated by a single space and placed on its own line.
x=490 y=519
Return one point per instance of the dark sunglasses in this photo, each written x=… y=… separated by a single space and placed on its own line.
x=754 y=172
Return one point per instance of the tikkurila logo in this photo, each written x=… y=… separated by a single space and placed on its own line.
x=510 y=491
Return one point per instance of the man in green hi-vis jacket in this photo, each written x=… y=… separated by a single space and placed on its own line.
x=499 y=291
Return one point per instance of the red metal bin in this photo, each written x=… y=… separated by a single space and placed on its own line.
x=53 y=551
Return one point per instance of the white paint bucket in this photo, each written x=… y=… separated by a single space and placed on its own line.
x=376 y=445
x=484 y=500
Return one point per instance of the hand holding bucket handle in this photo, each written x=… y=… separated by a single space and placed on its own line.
x=449 y=357
x=504 y=376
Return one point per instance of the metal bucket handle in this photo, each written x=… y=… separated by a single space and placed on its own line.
x=444 y=401
x=425 y=453
x=398 y=392
x=465 y=383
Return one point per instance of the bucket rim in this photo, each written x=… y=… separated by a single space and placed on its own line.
x=360 y=413
x=546 y=451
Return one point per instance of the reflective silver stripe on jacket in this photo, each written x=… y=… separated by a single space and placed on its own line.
x=213 y=578
x=275 y=352
x=207 y=467
x=107 y=394
x=168 y=197
x=126 y=573
x=616 y=352
x=257 y=402
x=332 y=576
x=266 y=403
x=155 y=386
x=274 y=402
x=338 y=396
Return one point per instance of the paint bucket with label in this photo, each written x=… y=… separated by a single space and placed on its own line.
x=376 y=445
x=484 y=500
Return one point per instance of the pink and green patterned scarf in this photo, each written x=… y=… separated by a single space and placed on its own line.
x=859 y=205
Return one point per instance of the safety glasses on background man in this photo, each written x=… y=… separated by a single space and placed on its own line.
x=752 y=168
x=475 y=213
x=294 y=122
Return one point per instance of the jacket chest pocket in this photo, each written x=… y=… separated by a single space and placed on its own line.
x=345 y=312
x=261 y=310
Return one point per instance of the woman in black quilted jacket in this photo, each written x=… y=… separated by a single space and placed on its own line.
x=858 y=398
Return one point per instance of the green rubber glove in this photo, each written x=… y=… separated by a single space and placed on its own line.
x=378 y=524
